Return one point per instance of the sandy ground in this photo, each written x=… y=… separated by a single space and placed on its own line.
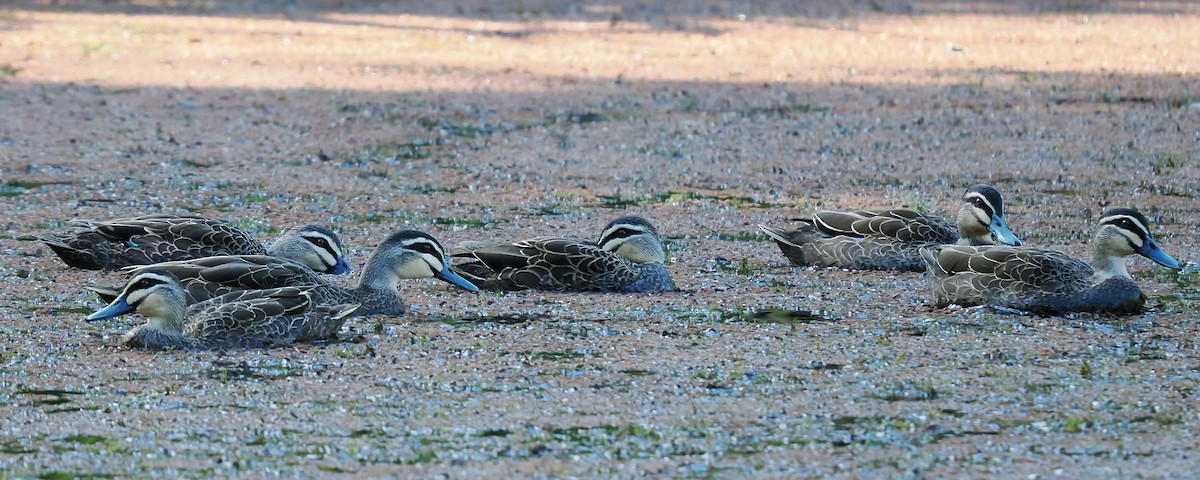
x=480 y=120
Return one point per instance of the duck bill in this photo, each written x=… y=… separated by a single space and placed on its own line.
x=118 y=307
x=448 y=275
x=1001 y=233
x=1150 y=250
x=341 y=268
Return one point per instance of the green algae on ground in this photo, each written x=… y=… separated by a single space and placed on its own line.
x=15 y=447
x=464 y=222
x=909 y=392
x=57 y=396
x=495 y=432
x=783 y=316
x=468 y=320
x=72 y=310
x=85 y=439
x=266 y=370
x=56 y=475
x=620 y=201
x=13 y=188
x=429 y=189
x=553 y=356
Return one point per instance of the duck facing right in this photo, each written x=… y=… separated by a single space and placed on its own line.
x=1048 y=282
x=629 y=258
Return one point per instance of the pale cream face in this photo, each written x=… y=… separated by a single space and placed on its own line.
x=1113 y=243
x=1119 y=241
x=401 y=259
x=420 y=265
x=420 y=258
x=326 y=257
x=414 y=258
x=158 y=303
x=639 y=242
x=314 y=249
x=149 y=301
x=641 y=248
x=973 y=221
x=153 y=305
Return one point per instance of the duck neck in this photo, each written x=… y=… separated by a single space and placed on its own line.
x=164 y=315
x=145 y=336
x=378 y=277
x=1108 y=266
x=971 y=232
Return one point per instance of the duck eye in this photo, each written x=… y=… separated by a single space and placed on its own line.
x=144 y=284
x=425 y=248
x=320 y=242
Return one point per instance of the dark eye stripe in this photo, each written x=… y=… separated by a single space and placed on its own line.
x=145 y=281
x=323 y=242
x=982 y=203
x=425 y=247
x=1127 y=223
x=622 y=232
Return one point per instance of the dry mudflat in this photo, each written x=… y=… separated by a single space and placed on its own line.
x=502 y=120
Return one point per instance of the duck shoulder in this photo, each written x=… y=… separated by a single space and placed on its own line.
x=811 y=246
x=249 y=317
x=899 y=224
x=112 y=244
x=1039 y=281
x=1023 y=269
x=548 y=263
x=210 y=277
x=170 y=237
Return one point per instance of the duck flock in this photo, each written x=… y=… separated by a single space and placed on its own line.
x=204 y=284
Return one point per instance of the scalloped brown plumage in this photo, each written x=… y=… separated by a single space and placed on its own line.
x=149 y=239
x=628 y=258
x=1048 y=282
x=247 y=318
x=891 y=239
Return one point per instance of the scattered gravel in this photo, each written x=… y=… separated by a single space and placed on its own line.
x=479 y=120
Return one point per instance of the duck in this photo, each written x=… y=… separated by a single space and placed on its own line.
x=628 y=258
x=892 y=239
x=149 y=239
x=1049 y=282
x=407 y=254
x=246 y=318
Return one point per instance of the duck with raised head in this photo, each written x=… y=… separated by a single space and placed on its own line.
x=628 y=258
x=407 y=254
x=892 y=239
x=247 y=318
x=149 y=239
x=1048 y=282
